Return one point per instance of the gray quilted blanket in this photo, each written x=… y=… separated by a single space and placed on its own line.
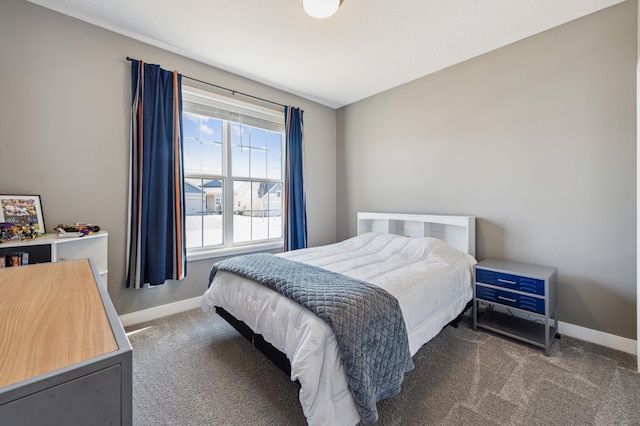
x=367 y=321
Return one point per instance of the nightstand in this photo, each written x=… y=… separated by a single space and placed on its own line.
x=519 y=300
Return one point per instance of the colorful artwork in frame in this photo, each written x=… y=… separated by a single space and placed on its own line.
x=22 y=210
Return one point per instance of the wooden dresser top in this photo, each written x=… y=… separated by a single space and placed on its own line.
x=51 y=316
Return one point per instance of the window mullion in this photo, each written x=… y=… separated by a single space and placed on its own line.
x=227 y=185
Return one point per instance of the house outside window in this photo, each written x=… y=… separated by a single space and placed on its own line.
x=233 y=168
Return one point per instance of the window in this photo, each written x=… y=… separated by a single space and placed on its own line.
x=233 y=167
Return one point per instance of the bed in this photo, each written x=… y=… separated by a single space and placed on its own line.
x=424 y=261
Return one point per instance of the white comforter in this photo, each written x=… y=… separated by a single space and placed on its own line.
x=430 y=279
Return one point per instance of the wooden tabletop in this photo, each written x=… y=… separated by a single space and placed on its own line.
x=51 y=316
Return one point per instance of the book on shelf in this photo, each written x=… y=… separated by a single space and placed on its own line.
x=15 y=259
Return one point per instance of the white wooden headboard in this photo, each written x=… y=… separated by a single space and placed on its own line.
x=459 y=231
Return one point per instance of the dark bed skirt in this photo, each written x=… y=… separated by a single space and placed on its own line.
x=273 y=354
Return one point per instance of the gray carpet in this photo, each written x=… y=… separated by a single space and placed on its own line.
x=195 y=369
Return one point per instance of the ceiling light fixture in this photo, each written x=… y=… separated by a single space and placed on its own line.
x=320 y=9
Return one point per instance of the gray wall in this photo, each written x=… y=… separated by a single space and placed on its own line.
x=536 y=139
x=64 y=131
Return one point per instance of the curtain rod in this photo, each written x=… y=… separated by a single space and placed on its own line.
x=233 y=92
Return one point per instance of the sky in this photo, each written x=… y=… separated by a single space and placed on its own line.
x=255 y=153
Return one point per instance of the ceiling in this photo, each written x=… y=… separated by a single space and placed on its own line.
x=367 y=47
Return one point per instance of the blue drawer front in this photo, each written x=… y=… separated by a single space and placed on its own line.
x=513 y=282
x=532 y=304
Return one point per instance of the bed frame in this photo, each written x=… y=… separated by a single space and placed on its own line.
x=459 y=231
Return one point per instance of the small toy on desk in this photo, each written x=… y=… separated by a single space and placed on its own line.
x=78 y=230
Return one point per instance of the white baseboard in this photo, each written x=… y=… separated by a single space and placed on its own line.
x=598 y=337
x=159 y=311
x=593 y=336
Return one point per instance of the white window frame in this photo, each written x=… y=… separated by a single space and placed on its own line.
x=234 y=106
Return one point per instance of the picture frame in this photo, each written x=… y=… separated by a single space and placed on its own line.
x=22 y=209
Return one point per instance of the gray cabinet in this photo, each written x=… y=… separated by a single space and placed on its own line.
x=65 y=357
x=518 y=300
